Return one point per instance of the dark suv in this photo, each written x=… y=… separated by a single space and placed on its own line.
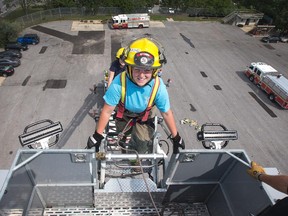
x=271 y=39
x=29 y=39
x=16 y=46
x=10 y=53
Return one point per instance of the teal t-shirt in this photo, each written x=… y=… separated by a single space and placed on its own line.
x=137 y=97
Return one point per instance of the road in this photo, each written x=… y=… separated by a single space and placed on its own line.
x=206 y=61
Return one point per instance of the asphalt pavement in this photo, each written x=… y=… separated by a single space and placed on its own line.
x=206 y=61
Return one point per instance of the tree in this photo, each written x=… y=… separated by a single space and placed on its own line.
x=281 y=16
x=25 y=4
x=62 y=3
x=277 y=10
x=8 y=32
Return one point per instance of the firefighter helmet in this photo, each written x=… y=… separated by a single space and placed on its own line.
x=144 y=53
x=120 y=52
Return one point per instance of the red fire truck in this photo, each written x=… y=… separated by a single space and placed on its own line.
x=269 y=80
x=130 y=21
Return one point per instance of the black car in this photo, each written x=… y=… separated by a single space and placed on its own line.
x=271 y=39
x=6 y=70
x=16 y=46
x=10 y=53
x=15 y=62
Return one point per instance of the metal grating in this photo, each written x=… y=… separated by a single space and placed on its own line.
x=35 y=212
x=127 y=200
x=129 y=185
x=67 y=195
x=14 y=212
x=196 y=209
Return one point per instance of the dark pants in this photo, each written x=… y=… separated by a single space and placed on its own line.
x=142 y=134
x=279 y=209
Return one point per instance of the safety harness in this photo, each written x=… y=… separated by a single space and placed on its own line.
x=145 y=113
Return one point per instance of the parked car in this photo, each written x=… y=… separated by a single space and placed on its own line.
x=10 y=53
x=16 y=46
x=29 y=39
x=171 y=10
x=284 y=39
x=15 y=62
x=150 y=10
x=6 y=70
x=271 y=39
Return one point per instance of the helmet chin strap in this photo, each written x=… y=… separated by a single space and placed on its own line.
x=155 y=72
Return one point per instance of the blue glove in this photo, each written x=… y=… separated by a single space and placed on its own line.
x=178 y=142
x=95 y=141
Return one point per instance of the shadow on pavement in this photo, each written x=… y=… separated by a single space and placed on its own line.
x=261 y=95
x=86 y=42
x=88 y=104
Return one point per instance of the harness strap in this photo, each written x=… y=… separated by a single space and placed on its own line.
x=145 y=113
x=121 y=105
x=151 y=99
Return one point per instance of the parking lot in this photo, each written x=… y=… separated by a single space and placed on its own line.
x=206 y=61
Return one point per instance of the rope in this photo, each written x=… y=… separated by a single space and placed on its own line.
x=120 y=136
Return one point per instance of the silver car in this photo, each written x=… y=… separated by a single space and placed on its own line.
x=284 y=39
x=15 y=62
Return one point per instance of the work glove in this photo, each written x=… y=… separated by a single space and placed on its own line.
x=256 y=170
x=178 y=142
x=95 y=141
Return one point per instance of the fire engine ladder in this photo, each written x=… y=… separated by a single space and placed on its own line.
x=119 y=164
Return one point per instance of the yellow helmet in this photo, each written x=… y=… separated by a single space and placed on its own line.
x=144 y=53
x=120 y=52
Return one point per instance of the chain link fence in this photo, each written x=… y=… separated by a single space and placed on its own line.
x=64 y=13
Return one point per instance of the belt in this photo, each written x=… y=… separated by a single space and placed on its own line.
x=132 y=114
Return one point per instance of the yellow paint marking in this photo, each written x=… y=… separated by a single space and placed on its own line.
x=2 y=80
x=87 y=25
